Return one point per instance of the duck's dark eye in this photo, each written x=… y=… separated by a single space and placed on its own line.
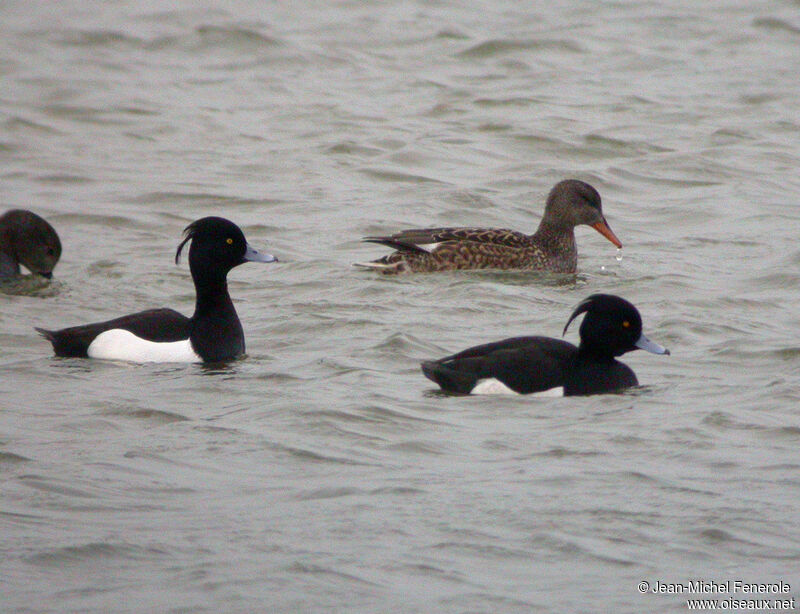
x=51 y=251
x=229 y=241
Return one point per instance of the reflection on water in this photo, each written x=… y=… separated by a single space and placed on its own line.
x=30 y=285
x=220 y=368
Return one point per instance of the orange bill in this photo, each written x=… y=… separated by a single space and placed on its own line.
x=603 y=229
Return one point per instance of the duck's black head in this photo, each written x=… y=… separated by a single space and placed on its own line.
x=217 y=246
x=611 y=327
x=31 y=240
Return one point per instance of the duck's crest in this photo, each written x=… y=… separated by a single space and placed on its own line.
x=188 y=233
x=584 y=306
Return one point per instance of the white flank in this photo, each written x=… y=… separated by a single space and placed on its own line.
x=491 y=385
x=119 y=344
x=558 y=391
x=428 y=247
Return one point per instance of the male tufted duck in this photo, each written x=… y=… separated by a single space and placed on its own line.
x=524 y=365
x=214 y=333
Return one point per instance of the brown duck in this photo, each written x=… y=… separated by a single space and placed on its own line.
x=550 y=248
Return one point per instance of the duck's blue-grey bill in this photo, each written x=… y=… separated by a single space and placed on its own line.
x=253 y=255
x=648 y=346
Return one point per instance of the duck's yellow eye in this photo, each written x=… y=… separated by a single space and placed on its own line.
x=229 y=241
x=626 y=324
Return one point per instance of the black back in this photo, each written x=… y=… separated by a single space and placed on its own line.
x=524 y=364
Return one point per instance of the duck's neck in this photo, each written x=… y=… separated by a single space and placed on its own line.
x=9 y=262
x=589 y=353
x=556 y=235
x=8 y=265
x=213 y=299
x=557 y=241
x=8 y=241
x=216 y=330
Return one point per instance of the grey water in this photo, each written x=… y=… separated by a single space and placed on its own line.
x=322 y=472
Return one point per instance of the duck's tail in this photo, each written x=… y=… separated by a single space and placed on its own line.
x=382 y=266
x=448 y=379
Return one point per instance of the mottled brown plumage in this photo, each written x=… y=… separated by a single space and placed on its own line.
x=550 y=248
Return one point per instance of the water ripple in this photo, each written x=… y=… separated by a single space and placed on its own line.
x=500 y=47
x=94 y=552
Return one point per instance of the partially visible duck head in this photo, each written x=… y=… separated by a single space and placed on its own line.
x=30 y=240
x=572 y=202
x=612 y=326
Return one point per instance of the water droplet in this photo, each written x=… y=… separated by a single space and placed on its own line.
x=619 y=254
